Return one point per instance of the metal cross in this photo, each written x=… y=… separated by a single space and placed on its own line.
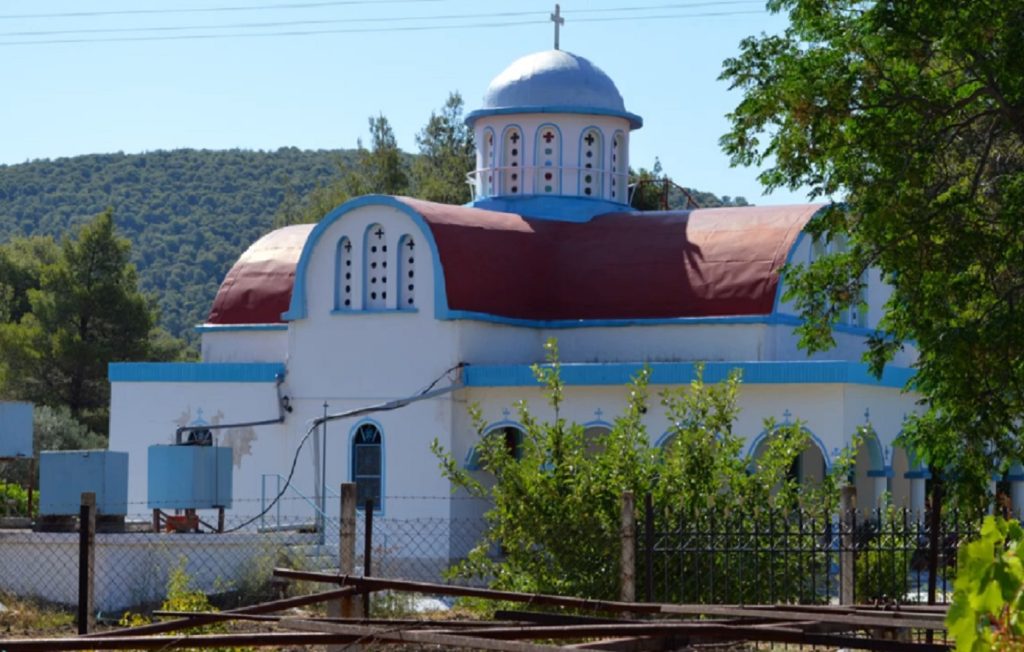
x=379 y=233
x=409 y=243
x=348 y=246
x=589 y=139
x=867 y=415
x=557 y=19
x=598 y=413
x=548 y=137
x=786 y=415
x=514 y=137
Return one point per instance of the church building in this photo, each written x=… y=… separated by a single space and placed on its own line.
x=386 y=295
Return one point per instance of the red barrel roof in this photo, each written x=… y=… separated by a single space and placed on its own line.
x=654 y=265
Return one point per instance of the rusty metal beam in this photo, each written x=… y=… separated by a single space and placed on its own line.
x=204 y=618
x=380 y=584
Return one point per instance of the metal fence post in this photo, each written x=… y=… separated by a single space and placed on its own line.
x=649 y=546
x=627 y=568
x=847 y=554
x=86 y=562
x=367 y=551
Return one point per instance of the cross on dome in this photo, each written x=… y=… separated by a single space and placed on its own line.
x=557 y=19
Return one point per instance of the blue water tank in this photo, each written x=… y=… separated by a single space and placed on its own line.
x=65 y=475
x=15 y=429
x=189 y=477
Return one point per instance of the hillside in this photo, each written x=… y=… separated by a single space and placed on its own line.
x=188 y=213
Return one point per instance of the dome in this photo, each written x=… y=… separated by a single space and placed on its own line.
x=554 y=82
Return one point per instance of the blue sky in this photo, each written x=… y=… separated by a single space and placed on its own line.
x=317 y=90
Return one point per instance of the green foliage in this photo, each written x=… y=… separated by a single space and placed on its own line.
x=557 y=495
x=86 y=312
x=883 y=565
x=14 y=501
x=447 y=154
x=911 y=112
x=988 y=593
x=188 y=213
x=182 y=597
x=654 y=190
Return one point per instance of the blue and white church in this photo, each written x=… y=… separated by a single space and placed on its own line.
x=386 y=295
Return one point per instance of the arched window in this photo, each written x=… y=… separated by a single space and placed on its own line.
x=375 y=268
x=487 y=164
x=511 y=161
x=618 y=167
x=343 y=275
x=406 y=273
x=368 y=465
x=591 y=163
x=595 y=438
x=547 y=161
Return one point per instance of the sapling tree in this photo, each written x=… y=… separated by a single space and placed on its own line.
x=556 y=495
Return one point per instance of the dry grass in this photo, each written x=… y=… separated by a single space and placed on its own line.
x=29 y=617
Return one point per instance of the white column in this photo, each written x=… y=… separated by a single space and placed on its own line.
x=881 y=487
x=917 y=496
x=1017 y=496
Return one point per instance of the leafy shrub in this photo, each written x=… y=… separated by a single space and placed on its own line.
x=988 y=593
x=557 y=496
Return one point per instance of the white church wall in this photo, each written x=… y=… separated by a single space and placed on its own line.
x=232 y=344
x=666 y=342
x=368 y=354
x=148 y=413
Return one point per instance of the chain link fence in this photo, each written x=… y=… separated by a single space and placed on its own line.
x=133 y=562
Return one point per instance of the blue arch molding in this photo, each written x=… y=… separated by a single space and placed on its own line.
x=762 y=437
x=194 y=372
x=676 y=373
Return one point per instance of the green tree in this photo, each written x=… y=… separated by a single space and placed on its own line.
x=21 y=265
x=913 y=113
x=556 y=494
x=381 y=169
x=87 y=312
x=447 y=154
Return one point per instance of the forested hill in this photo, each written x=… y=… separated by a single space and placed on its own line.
x=188 y=213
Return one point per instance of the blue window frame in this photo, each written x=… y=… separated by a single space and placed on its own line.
x=368 y=465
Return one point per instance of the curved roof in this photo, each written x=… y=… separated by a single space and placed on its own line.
x=617 y=266
x=554 y=81
x=258 y=288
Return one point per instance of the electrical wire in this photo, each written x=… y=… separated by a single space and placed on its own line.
x=209 y=10
x=276 y=23
x=425 y=393
x=363 y=30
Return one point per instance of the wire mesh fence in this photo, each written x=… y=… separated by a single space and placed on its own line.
x=760 y=556
x=133 y=562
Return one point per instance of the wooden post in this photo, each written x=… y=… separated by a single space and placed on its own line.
x=346 y=607
x=847 y=555
x=627 y=567
x=220 y=520
x=86 y=562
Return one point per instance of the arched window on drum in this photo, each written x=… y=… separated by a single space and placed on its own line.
x=591 y=163
x=512 y=161
x=547 y=161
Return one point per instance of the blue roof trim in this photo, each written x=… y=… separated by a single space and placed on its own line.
x=194 y=372
x=564 y=208
x=678 y=373
x=298 y=307
x=230 y=328
x=635 y=121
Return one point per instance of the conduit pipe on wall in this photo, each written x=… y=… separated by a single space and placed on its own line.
x=283 y=408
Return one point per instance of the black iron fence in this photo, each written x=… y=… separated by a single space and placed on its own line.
x=761 y=556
